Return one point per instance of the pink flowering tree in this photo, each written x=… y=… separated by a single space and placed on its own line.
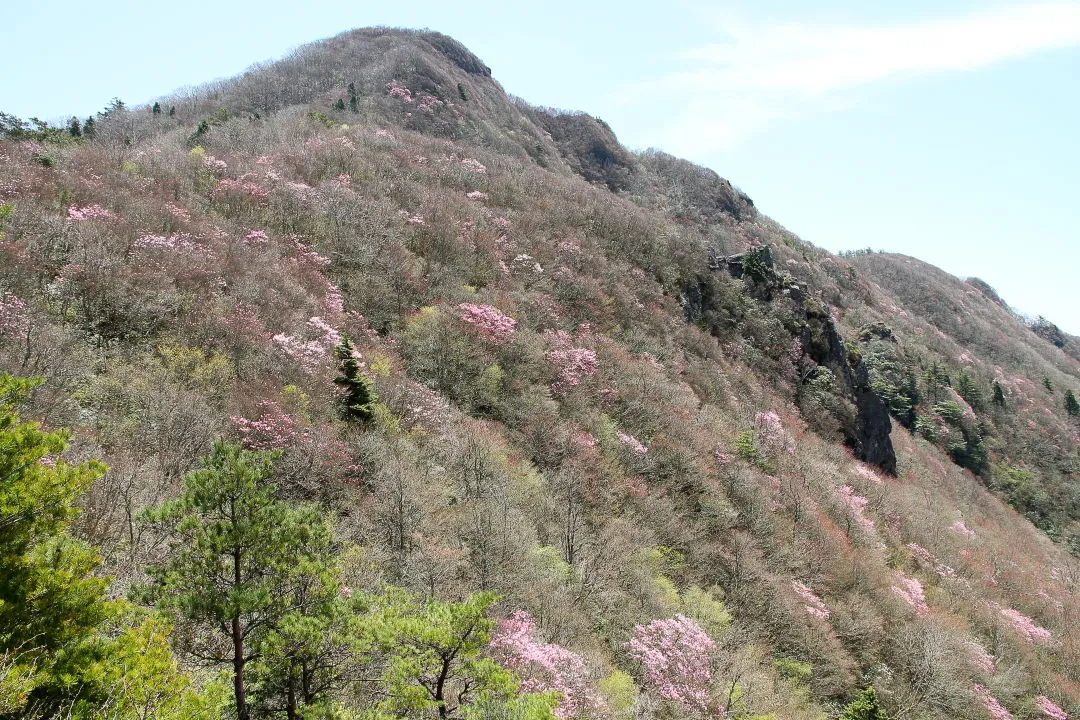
x=676 y=663
x=274 y=429
x=488 y=322
x=1024 y=625
x=815 y=606
x=1050 y=709
x=14 y=320
x=910 y=590
x=997 y=710
x=573 y=364
x=545 y=667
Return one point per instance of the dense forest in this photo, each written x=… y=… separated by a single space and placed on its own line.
x=354 y=387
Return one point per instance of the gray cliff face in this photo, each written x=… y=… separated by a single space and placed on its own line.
x=868 y=429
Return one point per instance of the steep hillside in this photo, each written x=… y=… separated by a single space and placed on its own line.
x=708 y=469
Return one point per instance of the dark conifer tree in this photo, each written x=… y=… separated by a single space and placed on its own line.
x=360 y=395
x=999 y=395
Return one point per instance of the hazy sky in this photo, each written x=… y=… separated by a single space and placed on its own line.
x=943 y=130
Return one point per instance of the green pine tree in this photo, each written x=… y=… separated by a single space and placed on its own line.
x=156 y=110
x=435 y=666
x=353 y=102
x=339 y=105
x=359 y=400
x=1071 y=406
x=65 y=649
x=999 y=395
x=864 y=707
x=239 y=558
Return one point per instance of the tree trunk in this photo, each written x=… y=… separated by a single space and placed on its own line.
x=242 y=712
x=239 y=692
x=290 y=710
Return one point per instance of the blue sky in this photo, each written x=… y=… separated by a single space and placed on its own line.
x=946 y=131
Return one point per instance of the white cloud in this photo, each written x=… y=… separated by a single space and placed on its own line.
x=776 y=71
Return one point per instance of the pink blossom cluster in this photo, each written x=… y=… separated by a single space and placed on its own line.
x=395 y=89
x=489 y=322
x=996 y=709
x=88 y=212
x=632 y=444
x=815 y=606
x=216 y=166
x=426 y=102
x=960 y=528
x=476 y=195
x=176 y=241
x=857 y=505
x=411 y=219
x=676 y=657
x=241 y=186
x=867 y=474
x=179 y=213
x=424 y=407
x=306 y=255
x=524 y=263
x=1024 y=625
x=771 y=435
x=344 y=180
x=910 y=591
x=574 y=364
x=927 y=559
x=311 y=354
x=981 y=659
x=383 y=133
x=14 y=320
x=474 y=166
x=333 y=302
x=569 y=247
x=274 y=429
x=722 y=457
x=544 y=667
x=1050 y=708
x=256 y=238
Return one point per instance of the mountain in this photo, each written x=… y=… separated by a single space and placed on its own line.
x=708 y=468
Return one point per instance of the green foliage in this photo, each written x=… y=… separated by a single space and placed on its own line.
x=340 y=105
x=435 y=665
x=707 y=609
x=63 y=646
x=50 y=605
x=754 y=265
x=927 y=428
x=620 y=693
x=318 y=116
x=358 y=402
x=746 y=447
x=969 y=390
x=1024 y=491
x=244 y=565
x=1072 y=407
x=950 y=412
x=793 y=670
x=864 y=707
x=998 y=397
x=353 y=103
x=14 y=128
